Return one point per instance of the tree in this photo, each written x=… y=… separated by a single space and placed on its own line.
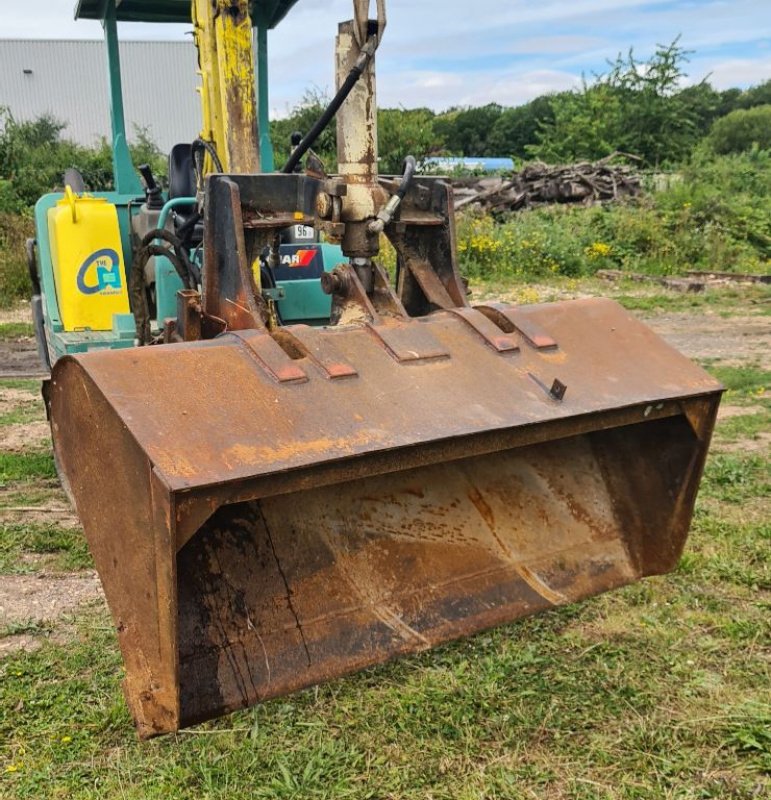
x=465 y=131
x=703 y=105
x=516 y=128
x=759 y=95
x=301 y=119
x=586 y=125
x=637 y=107
x=403 y=132
x=742 y=130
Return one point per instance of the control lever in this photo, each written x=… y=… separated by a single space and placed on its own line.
x=153 y=195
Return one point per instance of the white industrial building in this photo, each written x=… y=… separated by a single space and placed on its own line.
x=68 y=79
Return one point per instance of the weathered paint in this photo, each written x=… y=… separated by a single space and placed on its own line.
x=223 y=33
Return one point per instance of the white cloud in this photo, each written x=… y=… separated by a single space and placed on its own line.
x=737 y=72
x=449 y=52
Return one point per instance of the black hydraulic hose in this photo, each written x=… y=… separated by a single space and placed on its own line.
x=187 y=272
x=387 y=213
x=137 y=295
x=408 y=173
x=185 y=235
x=353 y=76
x=202 y=144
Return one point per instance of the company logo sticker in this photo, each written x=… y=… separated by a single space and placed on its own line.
x=299 y=259
x=100 y=273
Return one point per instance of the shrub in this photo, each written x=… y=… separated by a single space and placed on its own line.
x=15 y=229
x=34 y=157
x=538 y=243
x=717 y=216
x=742 y=130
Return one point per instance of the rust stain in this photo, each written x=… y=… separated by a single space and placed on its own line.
x=527 y=574
x=247 y=455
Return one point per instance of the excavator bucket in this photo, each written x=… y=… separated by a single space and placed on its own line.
x=271 y=511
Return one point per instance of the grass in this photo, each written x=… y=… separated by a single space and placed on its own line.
x=746 y=427
x=734 y=478
x=66 y=547
x=745 y=381
x=20 y=409
x=659 y=691
x=726 y=300
x=16 y=330
x=21 y=384
x=26 y=466
x=648 y=693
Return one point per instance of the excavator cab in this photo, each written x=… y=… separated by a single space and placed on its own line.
x=272 y=504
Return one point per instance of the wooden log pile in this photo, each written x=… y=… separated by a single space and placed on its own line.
x=544 y=184
x=694 y=280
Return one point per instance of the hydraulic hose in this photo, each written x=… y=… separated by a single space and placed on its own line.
x=201 y=144
x=137 y=295
x=189 y=274
x=388 y=211
x=408 y=173
x=367 y=52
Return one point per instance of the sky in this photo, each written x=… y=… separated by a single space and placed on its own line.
x=442 y=53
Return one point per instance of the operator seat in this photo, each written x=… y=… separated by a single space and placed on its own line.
x=182 y=184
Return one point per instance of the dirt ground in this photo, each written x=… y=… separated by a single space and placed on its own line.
x=32 y=604
x=19 y=359
x=731 y=340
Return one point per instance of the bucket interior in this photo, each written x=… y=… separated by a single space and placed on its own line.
x=286 y=592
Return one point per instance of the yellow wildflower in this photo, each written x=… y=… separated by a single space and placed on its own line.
x=598 y=250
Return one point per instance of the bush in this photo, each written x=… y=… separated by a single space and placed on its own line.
x=742 y=130
x=34 y=157
x=717 y=216
x=15 y=229
x=536 y=244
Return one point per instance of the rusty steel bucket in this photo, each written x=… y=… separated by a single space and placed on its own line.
x=269 y=512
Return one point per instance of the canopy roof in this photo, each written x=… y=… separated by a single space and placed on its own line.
x=266 y=12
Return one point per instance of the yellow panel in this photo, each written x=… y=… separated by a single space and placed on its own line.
x=88 y=263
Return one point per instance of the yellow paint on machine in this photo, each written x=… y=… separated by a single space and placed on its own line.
x=87 y=255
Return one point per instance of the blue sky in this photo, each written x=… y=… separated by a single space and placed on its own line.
x=440 y=53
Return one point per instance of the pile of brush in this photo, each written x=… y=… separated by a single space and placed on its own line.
x=541 y=184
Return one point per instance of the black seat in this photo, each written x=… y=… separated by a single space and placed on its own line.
x=182 y=184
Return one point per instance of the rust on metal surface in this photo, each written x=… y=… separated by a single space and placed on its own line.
x=311 y=525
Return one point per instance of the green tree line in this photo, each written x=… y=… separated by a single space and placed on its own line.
x=637 y=107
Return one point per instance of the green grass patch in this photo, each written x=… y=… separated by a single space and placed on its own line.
x=745 y=381
x=16 y=330
x=22 y=414
x=26 y=494
x=21 y=384
x=744 y=426
x=586 y=702
x=67 y=546
x=727 y=301
x=735 y=478
x=25 y=466
x=731 y=552
x=29 y=627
